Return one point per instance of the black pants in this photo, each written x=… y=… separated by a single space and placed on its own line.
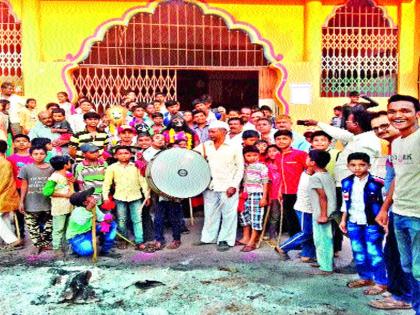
x=337 y=235
x=290 y=217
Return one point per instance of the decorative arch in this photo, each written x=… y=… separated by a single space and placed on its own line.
x=10 y=45
x=131 y=24
x=359 y=51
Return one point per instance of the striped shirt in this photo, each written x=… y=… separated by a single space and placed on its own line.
x=100 y=139
x=91 y=175
x=256 y=175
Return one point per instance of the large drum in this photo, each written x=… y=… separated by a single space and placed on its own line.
x=178 y=173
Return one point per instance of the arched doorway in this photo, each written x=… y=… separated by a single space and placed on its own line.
x=183 y=49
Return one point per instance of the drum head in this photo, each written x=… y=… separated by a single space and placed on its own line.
x=178 y=173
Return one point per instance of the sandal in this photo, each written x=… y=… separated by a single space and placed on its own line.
x=158 y=245
x=149 y=248
x=174 y=244
x=359 y=283
x=237 y=243
x=307 y=260
x=390 y=304
x=12 y=246
x=375 y=290
x=248 y=248
x=141 y=246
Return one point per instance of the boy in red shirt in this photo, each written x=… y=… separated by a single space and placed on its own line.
x=290 y=163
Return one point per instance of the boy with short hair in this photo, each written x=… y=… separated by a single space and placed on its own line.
x=172 y=108
x=323 y=200
x=62 y=127
x=90 y=172
x=320 y=140
x=138 y=122
x=250 y=137
x=18 y=159
x=255 y=185
x=44 y=143
x=59 y=188
x=130 y=189
x=79 y=230
x=35 y=206
x=290 y=163
x=91 y=134
x=158 y=126
x=362 y=196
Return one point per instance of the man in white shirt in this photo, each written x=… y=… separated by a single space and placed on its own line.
x=251 y=124
x=17 y=103
x=265 y=130
x=221 y=198
x=234 y=135
x=358 y=137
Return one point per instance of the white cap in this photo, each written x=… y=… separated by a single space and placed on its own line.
x=217 y=124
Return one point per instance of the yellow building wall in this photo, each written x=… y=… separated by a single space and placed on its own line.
x=53 y=29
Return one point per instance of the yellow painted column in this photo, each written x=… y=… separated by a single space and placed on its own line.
x=407 y=80
x=31 y=46
x=312 y=42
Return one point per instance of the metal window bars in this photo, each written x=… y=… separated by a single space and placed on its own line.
x=359 y=52
x=10 y=47
x=145 y=55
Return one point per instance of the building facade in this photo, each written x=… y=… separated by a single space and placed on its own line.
x=301 y=56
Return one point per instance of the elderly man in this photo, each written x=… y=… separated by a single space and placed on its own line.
x=43 y=127
x=221 y=198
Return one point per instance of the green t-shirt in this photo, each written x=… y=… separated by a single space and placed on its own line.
x=81 y=221
x=326 y=182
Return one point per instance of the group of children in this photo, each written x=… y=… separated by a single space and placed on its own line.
x=60 y=201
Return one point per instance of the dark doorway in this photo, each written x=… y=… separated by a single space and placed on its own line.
x=230 y=89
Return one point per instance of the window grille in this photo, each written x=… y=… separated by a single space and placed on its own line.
x=145 y=55
x=359 y=52
x=10 y=46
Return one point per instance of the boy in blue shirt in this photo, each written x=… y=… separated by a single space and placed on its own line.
x=362 y=199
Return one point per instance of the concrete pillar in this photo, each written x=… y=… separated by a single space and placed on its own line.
x=407 y=79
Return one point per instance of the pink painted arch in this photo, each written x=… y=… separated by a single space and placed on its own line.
x=254 y=35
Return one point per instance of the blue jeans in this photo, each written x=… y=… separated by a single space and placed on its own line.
x=398 y=280
x=125 y=208
x=407 y=232
x=82 y=244
x=366 y=243
x=173 y=211
x=303 y=239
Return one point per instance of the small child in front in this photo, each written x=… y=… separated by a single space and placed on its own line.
x=323 y=200
x=362 y=200
x=256 y=187
x=59 y=187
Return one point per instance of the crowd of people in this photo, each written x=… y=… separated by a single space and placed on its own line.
x=70 y=173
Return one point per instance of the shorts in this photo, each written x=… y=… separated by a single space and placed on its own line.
x=253 y=214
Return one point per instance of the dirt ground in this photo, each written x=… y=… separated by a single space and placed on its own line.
x=191 y=280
